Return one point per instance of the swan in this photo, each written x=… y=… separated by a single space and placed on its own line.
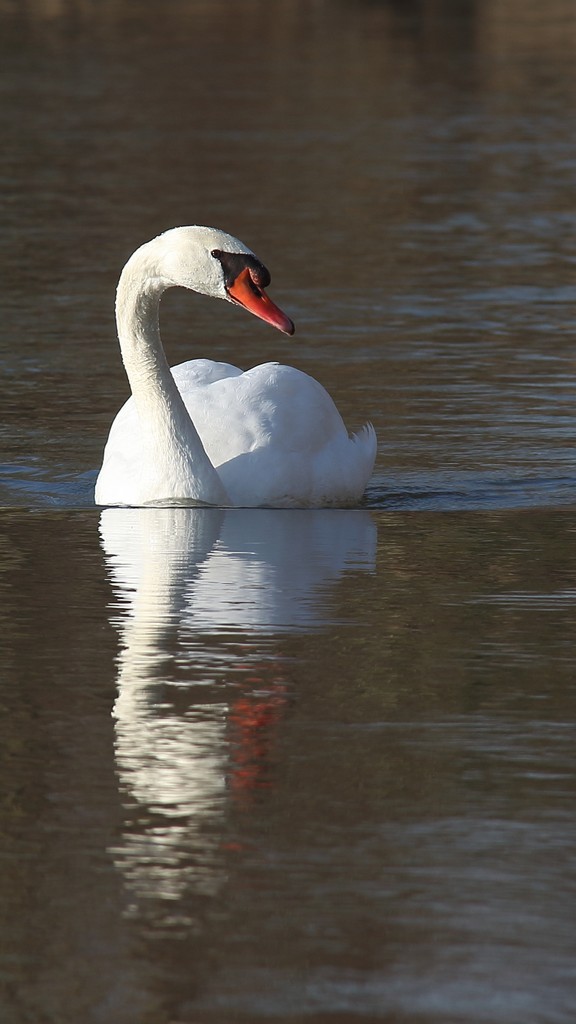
x=206 y=432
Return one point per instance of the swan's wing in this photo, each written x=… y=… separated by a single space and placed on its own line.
x=269 y=406
x=276 y=437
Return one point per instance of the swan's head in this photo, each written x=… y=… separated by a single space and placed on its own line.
x=214 y=263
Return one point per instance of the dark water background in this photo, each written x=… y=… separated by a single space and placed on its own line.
x=294 y=766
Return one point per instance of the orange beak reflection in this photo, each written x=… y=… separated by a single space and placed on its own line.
x=245 y=292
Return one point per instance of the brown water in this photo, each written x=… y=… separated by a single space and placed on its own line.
x=294 y=766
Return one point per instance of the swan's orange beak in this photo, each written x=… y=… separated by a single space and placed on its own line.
x=247 y=293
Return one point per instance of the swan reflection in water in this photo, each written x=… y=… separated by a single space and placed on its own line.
x=205 y=599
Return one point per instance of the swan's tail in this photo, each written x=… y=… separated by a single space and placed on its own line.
x=366 y=438
x=367 y=443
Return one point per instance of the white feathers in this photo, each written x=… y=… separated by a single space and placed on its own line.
x=207 y=432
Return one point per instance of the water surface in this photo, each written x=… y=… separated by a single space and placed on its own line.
x=283 y=765
x=264 y=765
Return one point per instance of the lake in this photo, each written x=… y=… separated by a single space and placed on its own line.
x=294 y=765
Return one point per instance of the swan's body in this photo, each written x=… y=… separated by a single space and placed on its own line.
x=207 y=432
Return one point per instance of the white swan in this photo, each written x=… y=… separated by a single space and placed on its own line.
x=207 y=432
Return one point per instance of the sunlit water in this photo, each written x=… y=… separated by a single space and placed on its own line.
x=286 y=765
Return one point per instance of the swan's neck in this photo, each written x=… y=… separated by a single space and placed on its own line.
x=174 y=447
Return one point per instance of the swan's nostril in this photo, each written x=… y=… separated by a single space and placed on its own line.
x=254 y=286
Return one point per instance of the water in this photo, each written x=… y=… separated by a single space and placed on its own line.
x=286 y=766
